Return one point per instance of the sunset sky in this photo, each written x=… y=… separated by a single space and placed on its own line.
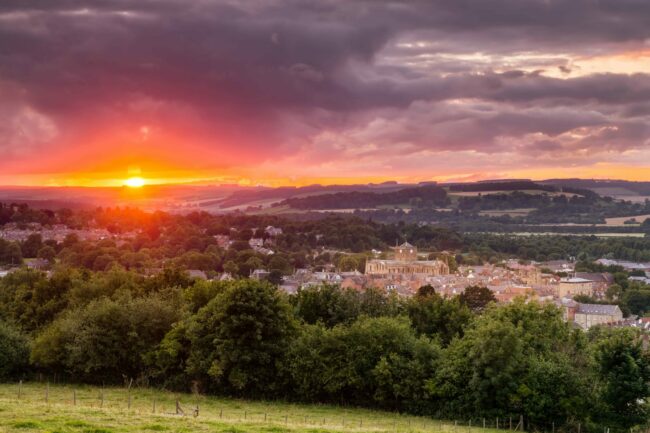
x=332 y=91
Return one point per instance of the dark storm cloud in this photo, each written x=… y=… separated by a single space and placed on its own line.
x=270 y=73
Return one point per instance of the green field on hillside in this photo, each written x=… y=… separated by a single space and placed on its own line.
x=38 y=407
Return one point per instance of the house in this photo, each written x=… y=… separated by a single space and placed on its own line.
x=289 y=286
x=226 y=276
x=37 y=264
x=570 y=287
x=644 y=280
x=273 y=231
x=600 y=280
x=628 y=266
x=558 y=266
x=223 y=241
x=260 y=274
x=587 y=315
x=196 y=273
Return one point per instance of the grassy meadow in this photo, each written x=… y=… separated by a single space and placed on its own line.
x=37 y=407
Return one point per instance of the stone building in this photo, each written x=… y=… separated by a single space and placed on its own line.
x=406 y=262
x=570 y=287
x=588 y=315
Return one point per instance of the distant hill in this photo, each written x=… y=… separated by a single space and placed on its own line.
x=500 y=185
x=253 y=196
x=613 y=188
x=431 y=195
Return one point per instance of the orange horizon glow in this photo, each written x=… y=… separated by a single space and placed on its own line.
x=135 y=182
x=601 y=171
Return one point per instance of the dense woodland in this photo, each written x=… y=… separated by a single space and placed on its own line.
x=423 y=196
x=546 y=204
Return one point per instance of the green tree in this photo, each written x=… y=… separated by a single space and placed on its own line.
x=360 y=363
x=231 y=267
x=47 y=253
x=32 y=244
x=437 y=317
x=614 y=292
x=624 y=370
x=13 y=255
x=637 y=301
x=107 y=339
x=328 y=304
x=14 y=351
x=240 y=338
x=280 y=263
x=425 y=291
x=477 y=298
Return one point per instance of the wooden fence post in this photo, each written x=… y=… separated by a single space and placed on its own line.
x=154 y=406
x=20 y=388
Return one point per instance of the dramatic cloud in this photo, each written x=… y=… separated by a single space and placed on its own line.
x=301 y=90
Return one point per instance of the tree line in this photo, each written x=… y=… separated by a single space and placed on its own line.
x=460 y=357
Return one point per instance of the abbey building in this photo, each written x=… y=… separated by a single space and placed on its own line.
x=405 y=263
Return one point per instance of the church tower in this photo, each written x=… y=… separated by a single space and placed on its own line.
x=406 y=252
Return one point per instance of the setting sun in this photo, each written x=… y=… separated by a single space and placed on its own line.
x=134 y=182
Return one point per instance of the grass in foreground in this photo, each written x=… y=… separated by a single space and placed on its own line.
x=81 y=409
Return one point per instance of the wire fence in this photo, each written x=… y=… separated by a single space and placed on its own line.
x=149 y=401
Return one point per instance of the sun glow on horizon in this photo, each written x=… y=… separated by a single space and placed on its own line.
x=134 y=182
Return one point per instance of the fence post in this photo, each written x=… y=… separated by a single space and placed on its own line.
x=220 y=413
x=74 y=397
x=154 y=406
x=483 y=422
x=285 y=419
x=20 y=388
